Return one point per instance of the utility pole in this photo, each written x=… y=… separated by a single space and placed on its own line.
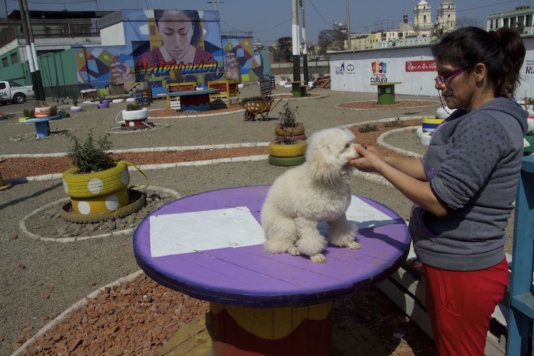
x=305 y=46
x=30 y=51
x=349 y=44
x=295 y=86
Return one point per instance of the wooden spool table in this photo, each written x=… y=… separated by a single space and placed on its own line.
x=209 y=246
x=42 y=125
x=194 y=100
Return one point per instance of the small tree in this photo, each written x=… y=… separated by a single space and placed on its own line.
x=90 y=155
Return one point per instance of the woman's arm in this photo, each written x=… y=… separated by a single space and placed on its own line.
x=410 y=165
x=418 y=191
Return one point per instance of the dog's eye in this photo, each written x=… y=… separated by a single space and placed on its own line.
x=348 y=145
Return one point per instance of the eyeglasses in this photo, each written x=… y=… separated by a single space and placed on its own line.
x=445 y=79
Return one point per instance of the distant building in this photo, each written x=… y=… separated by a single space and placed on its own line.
x=446 y=19
x=422 y=31
x=521 y=19
x=422 y=23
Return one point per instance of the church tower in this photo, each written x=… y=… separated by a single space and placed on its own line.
x=422 y=14
x=447 y=16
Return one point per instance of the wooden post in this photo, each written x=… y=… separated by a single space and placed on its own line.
x=521 y=312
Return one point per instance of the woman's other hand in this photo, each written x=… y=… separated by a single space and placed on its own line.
x=369 y=160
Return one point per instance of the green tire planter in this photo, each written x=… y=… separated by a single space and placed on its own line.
x=286 y=161
x=287 y=150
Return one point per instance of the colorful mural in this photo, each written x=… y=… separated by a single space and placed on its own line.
x=249 y=64
x=164 y=46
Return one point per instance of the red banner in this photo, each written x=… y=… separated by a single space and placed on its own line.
x=421 y=66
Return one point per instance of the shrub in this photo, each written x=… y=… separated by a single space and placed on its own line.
x=288 y=116
x=90 y=155
x=368 y=128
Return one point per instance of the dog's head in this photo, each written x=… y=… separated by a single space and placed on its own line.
x=329 y=151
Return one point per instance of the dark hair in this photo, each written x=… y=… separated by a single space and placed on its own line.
x=192 y=15
x=502 y=52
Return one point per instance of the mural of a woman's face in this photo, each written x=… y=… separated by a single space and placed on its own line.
x=176 y=31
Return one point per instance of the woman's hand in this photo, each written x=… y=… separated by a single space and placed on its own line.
x=369 y=160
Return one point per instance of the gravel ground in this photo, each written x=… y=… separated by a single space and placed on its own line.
x=41 y=279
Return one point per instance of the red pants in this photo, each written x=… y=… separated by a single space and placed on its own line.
x=460 y=305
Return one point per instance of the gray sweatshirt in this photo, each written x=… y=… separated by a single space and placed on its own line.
x=473 y=164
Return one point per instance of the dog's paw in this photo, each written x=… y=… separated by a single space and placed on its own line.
x=318 y=258
x=354 y=245
x=294 y=251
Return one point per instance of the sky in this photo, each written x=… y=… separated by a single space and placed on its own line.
x=269 y=20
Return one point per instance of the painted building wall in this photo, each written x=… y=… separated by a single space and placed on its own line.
x=146 y=58
x=414 y=67
x=242 y=50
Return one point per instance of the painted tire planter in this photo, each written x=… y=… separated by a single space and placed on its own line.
x=425 y=138
x=431 y=123
x=286 y=161
x=93 y=193
x=103 y=105
x=75 y=108
x=133 y=118
x=443 y=113
x=287 y=150
x=42 y=111
x=136 y=199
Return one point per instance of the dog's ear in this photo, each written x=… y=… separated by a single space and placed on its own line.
x=323 y=167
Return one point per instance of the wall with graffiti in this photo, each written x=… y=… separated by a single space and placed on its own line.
x=163 y=46
x=239 y=54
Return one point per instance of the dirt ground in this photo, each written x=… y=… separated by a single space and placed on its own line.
x=139 y=316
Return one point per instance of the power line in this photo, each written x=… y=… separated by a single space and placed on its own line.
x=319 y=13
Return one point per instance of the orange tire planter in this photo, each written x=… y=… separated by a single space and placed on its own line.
x=42 y=111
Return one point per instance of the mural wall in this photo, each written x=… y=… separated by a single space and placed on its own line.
x=162 y=46
x=241 y=62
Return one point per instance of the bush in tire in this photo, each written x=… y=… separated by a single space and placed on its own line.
x=96 y=184
x=290 y=144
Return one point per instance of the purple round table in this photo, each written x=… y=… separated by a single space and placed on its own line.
x=209 y=246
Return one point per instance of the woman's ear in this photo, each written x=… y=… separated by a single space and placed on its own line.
x=480 y=72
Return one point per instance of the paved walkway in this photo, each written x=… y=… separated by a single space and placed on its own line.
x=42 y=279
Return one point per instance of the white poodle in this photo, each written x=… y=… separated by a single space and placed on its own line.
x=318 y=190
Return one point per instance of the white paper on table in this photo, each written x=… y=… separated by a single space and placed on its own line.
x=173 y=234
x=366 y=215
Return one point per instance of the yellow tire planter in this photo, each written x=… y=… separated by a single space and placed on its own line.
x=287 y=150
x=100 y=192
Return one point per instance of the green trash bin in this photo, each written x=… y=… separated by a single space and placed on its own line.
x=386 y=93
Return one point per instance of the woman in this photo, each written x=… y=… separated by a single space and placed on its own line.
x=464 y=187
x=180 y=33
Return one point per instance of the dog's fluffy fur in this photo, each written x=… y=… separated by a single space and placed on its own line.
x=318 y=190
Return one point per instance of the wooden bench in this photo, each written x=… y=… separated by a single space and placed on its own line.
x=228 y=93
x=406 y=288
x=173 y=102
x=194 y=100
